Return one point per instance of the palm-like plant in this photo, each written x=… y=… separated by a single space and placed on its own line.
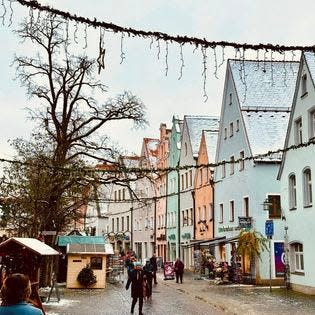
x=251 y=243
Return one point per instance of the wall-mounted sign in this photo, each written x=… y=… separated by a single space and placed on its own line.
x=269 y=228
x=186 y=235
x=245 y=222
x=228 y=228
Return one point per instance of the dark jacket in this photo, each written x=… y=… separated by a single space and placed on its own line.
x=136 y=280
x=153 y=263
x=179 y=266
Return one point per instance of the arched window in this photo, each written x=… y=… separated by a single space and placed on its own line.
x=292 y=192
x=307 y=187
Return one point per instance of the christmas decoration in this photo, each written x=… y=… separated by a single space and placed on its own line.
x=86 y=276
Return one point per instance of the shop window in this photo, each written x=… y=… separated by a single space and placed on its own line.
x=307 y=187
x=96 y=263
x=292 y=192
x=274 y=206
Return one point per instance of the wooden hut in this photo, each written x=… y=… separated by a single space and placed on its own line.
x=24 y=255
x=85 y=251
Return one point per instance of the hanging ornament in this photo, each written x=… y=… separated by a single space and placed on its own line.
x=101 y=56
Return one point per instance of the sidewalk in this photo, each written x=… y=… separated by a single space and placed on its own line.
x=244 y=299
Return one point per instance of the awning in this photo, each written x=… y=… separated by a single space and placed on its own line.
x=213 y=242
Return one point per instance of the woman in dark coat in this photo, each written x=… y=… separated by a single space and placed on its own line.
x=148 y=274
x=179 y=270
x=136 y=280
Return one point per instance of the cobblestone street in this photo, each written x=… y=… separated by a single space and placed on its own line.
x=191 y=297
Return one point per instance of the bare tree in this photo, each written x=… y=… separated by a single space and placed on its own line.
x=69 y=117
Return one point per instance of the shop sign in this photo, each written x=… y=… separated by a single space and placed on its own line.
x=228 y=228
x=186 y=235
x=172 y=237
x=245 y=222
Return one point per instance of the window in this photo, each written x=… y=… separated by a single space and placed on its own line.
x=186 y=179
x=115 y=195
x=211 y=212
x=292 y=192
x=230 y=99
x=231 y=129
x=199 y=214
x=191 y=216
x=117 y=224
x=232 y=165
x=113 y=224
x=298 y=257
x=140 y=224
x=128 y=223
x=96 y=263
x=246 y=206
x=304 y=85
x=307 y=187
x=204 y=213
x=183 y=184
x=312 y=124
x=225 y=133
x=223 y=170
x=200 y=176
x=183 y=218
x=298 y=131
x=185 y=149
x=274 y=206
x=119 y=194
x=232 y=211
x=241 y=161
x=237 y=125
x=190 y=178
x=123 y=224
x=124 y=194
x=221 y=213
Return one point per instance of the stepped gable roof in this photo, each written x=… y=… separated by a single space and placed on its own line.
x=151 y=150
x=211 y=138
x=310 y=60
x=265 y=99
x=195 y=126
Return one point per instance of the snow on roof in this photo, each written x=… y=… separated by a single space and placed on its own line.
x=195 y=126
x=151 y=148
x=265 y=98
x=310 y=59
x=31 y=243
x=266 y=130
x=211 y=138
x=63 y=240
x=266 y=84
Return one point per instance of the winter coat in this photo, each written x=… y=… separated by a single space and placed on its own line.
x=153 y=263
x=179 y=266
x=136 y=280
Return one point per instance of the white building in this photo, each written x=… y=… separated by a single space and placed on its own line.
x=295 y=176
x=255 y=111
x=191 y=137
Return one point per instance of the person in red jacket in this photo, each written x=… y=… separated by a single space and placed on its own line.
x=179 y=270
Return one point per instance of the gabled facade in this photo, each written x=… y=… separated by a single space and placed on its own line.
x=144 y=208
x=296 y=172
x=255 y=111
x=161 y=189
x=204 y=187
x=172 y=202
x=191 y=136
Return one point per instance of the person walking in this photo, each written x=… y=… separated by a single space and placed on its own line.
x=136 y=280
x=148 y=275
x=153 y=263
x=15 y=294
x=179 y=270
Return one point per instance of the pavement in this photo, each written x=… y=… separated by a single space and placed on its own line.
x=192 y=297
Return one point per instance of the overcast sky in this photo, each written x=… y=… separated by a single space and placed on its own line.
x=268 y=21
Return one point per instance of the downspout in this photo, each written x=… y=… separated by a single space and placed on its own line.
x=166 y=253
x=178 y=208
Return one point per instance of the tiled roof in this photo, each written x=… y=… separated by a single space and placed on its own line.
x=265 y=98
x=195 y=126
x=266 y=84
x=310 y=59
x=266 y=130
x=211 y=138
